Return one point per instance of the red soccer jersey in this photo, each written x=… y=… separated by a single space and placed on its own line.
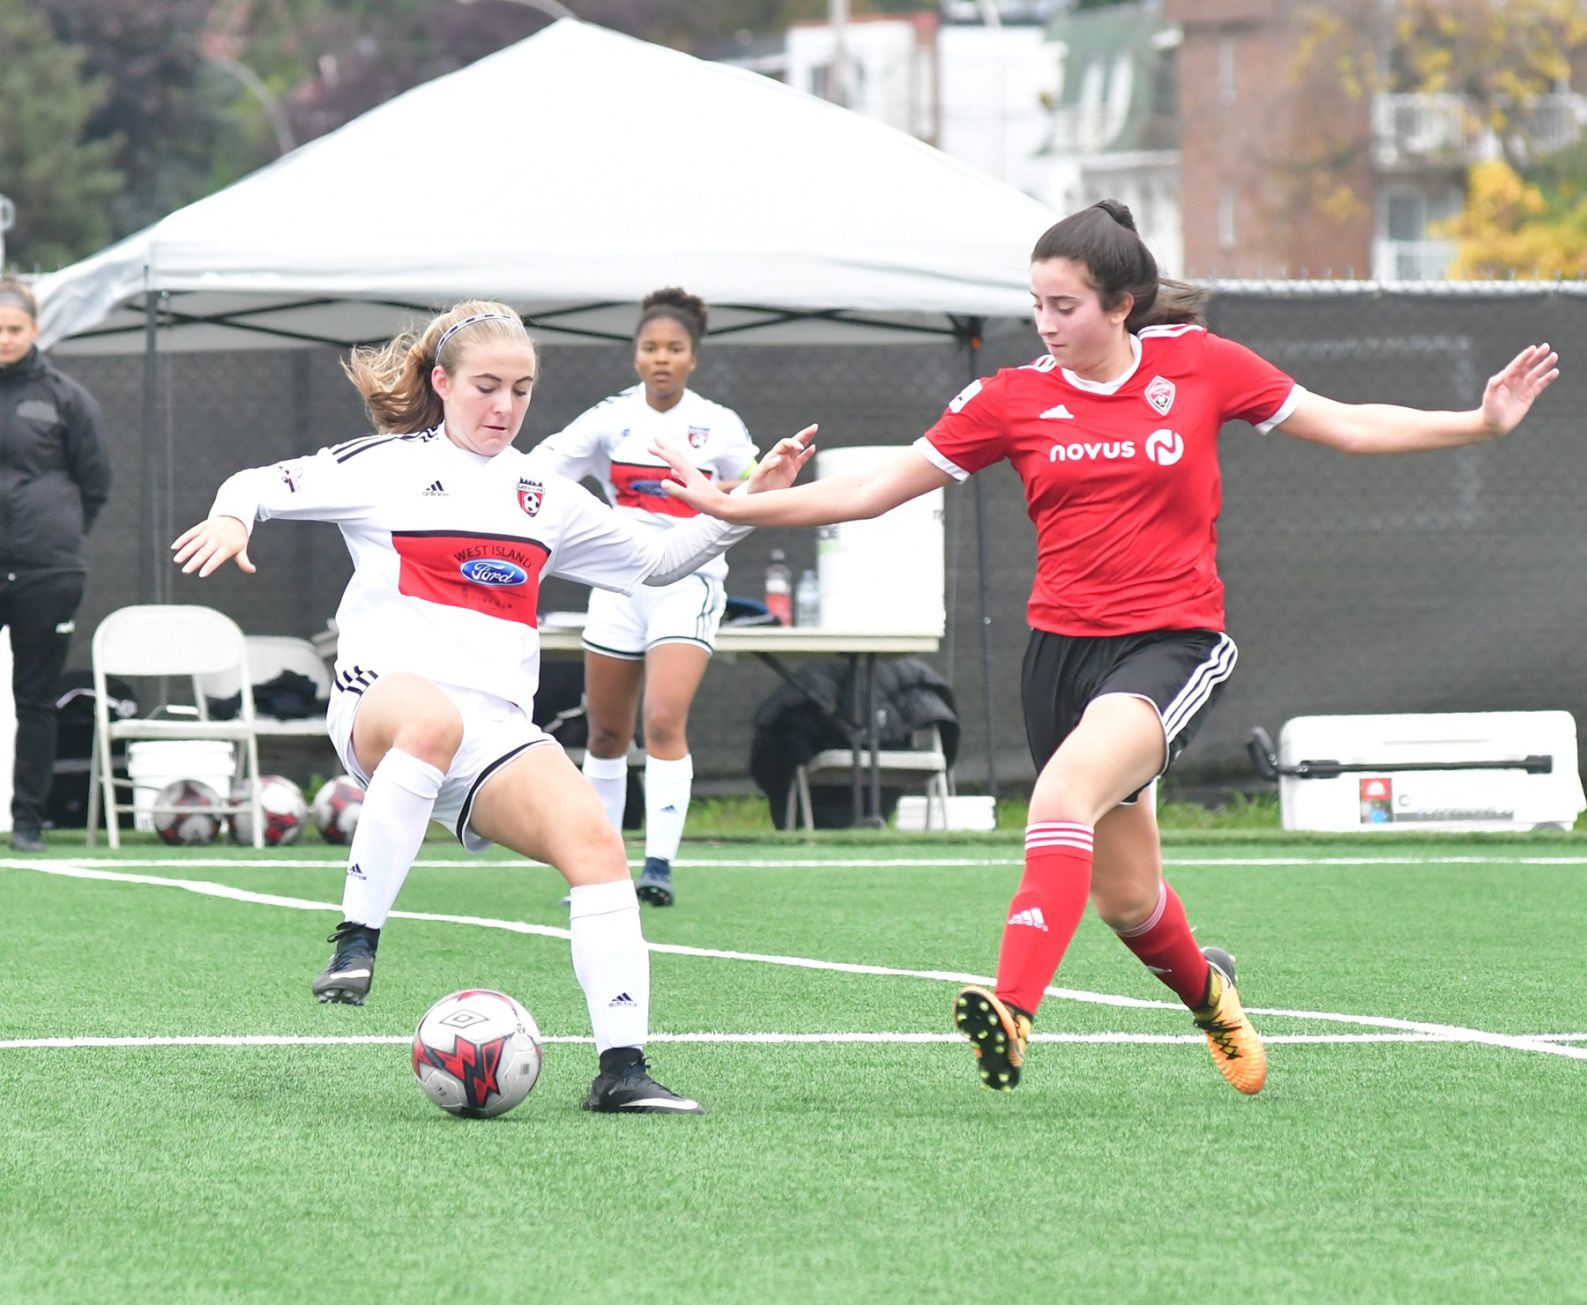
x=1121 y=479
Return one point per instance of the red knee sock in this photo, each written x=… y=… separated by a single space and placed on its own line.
x=1045 y=911
x=1168 y=949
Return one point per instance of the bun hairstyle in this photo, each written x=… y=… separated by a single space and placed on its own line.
x=1104 y=241
x=394 y=378
x=687 y=310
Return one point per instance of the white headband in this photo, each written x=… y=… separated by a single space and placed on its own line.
x=469 y=321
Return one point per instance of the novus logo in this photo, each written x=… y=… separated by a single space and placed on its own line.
x=1091 y=450
x=1164 y=447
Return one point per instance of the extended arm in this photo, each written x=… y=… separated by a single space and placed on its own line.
x=318 y=488
x=688 y=547
x=1390 y=428
x=823 y=502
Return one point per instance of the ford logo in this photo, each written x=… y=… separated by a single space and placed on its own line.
x=493 y=571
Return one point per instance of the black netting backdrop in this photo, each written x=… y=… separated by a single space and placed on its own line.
x=1435 y=582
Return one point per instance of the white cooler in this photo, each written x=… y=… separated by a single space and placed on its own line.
x=1489 y=770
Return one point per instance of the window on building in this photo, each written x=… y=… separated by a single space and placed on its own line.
x=1226 y=218
x=1226 y=86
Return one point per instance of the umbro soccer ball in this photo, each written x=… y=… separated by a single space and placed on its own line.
x=187 y=812
x=477 y=1053
x=281 y=804
x=336 y=809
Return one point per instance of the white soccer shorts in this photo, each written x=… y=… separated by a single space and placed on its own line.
x=494 y=732
x=686 y=611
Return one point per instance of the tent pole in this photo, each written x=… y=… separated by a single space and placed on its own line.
x=151 y=324
x=972 y=328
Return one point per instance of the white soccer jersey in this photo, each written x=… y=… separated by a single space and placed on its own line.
x=449 y=548
x=611 y=443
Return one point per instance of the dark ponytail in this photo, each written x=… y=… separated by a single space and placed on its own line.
x=1104 y=241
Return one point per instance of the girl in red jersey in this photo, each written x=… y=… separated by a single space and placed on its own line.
x=1114 y=435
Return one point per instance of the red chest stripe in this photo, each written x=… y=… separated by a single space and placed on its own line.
x=498 y=575
x=640 y=487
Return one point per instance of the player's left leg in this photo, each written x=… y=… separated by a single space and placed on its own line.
x=539 y=805
x=1178 y=675
x=673 y=671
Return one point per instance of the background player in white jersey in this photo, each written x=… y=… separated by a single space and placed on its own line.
x=1114 y=435
x=451 y=529
x=658 y=639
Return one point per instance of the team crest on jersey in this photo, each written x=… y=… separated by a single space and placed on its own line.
x=531 y=494
x=698 y=436
x=1160 y=394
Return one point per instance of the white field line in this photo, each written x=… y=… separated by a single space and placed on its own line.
x=270 y=862
x=756 y=1039
x=202 y=887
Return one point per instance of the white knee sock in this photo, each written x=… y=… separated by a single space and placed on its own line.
x=668 y=785
x=391 y=825
x=608 y=776
x=611 y=962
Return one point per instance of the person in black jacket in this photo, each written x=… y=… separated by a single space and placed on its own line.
x=54 y=477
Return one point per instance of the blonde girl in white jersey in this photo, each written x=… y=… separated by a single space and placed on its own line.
x=450 y=528
x=658 y=640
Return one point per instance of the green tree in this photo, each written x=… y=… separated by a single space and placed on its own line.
x=61 y=182
x=1518 y=226
x=1500 y=58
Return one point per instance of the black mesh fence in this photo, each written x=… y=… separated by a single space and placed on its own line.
x=1434 y=582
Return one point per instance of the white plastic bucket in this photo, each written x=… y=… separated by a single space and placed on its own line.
x=153 y=765
x=884 y=576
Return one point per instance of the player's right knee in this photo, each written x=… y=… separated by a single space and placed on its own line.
x=433 y=739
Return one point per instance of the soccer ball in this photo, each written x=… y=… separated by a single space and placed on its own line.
x=477 y=1053
x=282 y=805
x=186 y=812
x=336 y=809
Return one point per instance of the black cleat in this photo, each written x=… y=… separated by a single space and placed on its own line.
x=998 y=1035
x=352 y=966
x=27 y=838
x=655 y=882
x=629 y=1090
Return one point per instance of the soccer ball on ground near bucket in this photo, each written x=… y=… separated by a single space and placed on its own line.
x=281 y=804
x=336 y=809
x=187 y=812
x=477 y=1053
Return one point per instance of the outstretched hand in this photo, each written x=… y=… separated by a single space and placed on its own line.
x=777 y=470
x=1509 y=393
x=208 y=545
x=781 y=467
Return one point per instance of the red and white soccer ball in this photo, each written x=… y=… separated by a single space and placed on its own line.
x=282 y=806
x=336 y=809
x=477 y=1053
x=186 y=813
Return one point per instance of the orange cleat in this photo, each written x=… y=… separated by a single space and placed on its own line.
x=998 y=1035
x=1237 y=1049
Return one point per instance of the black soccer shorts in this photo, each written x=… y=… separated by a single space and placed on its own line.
x=1180 y=672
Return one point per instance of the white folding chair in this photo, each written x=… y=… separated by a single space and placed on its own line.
x=268 y=656
x=159 y=642
x=926 y=757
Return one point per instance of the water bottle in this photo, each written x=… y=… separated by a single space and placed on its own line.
x=807 y=600
x=779 y=588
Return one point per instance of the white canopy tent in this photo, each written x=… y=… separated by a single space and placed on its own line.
x=568 y=174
